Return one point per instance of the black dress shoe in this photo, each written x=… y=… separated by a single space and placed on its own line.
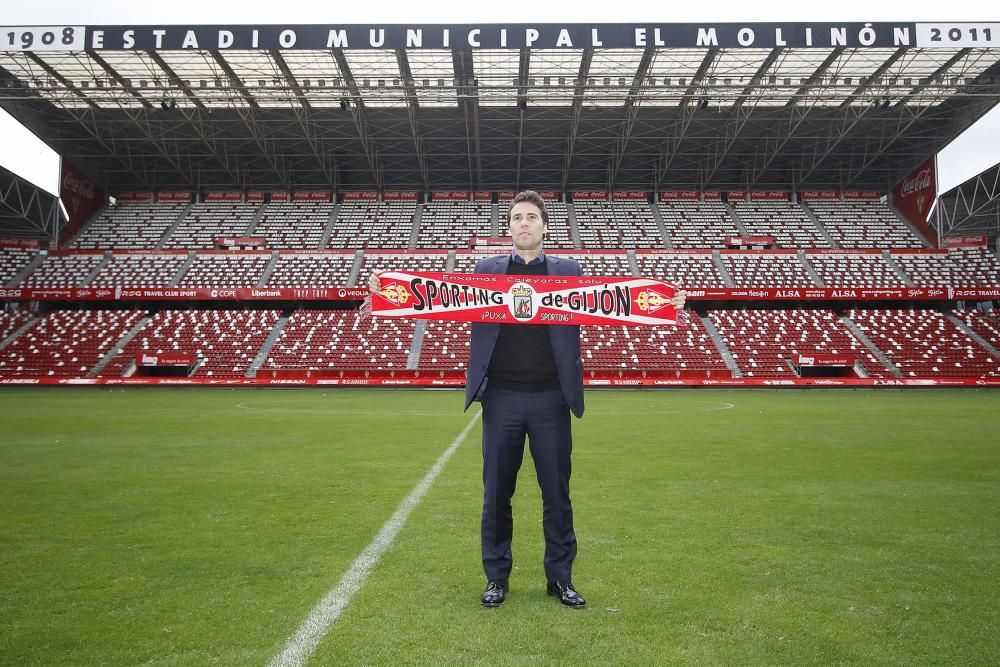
x=495 y=593
x=567 y=594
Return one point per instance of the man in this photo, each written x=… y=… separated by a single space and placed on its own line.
x=528 y=379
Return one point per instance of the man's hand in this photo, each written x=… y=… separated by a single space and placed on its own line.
x=679 y=299
x=374 y=284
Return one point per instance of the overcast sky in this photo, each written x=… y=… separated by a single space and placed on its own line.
x=976 y=150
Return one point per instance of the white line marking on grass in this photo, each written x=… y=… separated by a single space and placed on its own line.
x=305 y=640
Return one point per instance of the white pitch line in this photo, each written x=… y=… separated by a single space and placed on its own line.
x=305 y=640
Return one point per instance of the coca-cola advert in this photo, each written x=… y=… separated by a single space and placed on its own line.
x=711 y=196
x=768 y=195
x=820 y=195
x=590 y=195
x=482 y=196
x=224 y=196
x=360 y=196
x=451 y=196
x=914 y=196
x=174 y=196
x=255 y=196
x=281 y=196
x=965 y=242
x=546 y=195
x=311 y=195
x=399 y=196
x=682 y=195
x=862 y=196
x=81 y=197
x=736 y=196
x=134 y=196
x=22 y=244
x=629 y=196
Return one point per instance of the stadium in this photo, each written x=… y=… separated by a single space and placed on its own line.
x=225 y=193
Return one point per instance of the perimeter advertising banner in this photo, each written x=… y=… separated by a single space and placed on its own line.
x=914 y=196
x=81 y=197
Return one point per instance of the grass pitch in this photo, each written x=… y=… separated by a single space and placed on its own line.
x=191 y=527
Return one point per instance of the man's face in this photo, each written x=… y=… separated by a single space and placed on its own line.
x=526 y=226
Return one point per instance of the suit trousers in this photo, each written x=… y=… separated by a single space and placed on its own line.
x=544 y=418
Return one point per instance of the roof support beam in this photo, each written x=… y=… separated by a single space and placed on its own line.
x=360 y=115
x=678 y=130
x=574 y=123
x=741 y=114
x=957 y=209
x=413 y=115
x=523 y=72
x=631 y=112
x=468 y=99
x=118 y=78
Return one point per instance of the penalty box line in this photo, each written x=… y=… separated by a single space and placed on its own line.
x=303 y=643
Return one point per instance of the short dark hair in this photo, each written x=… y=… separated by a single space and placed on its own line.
x=531 y=197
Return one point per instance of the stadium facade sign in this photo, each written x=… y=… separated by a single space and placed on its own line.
x=501 y=36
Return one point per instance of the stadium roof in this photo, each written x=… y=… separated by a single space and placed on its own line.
x=972 y=208
x=671 y=106
x=26 y=210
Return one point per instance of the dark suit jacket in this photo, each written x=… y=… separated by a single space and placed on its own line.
x=565 y=340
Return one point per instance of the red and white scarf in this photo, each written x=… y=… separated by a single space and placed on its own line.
x=521 y=299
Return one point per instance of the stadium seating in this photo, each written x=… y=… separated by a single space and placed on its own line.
x=225 y=270
x=697 y=224
x=763 y=341
x=415 y=262
x=958 y=268
x=63 y=271
x=785 y=221
x=296 y=225
x=300 y=270
x=225 y=341
x=450 y=224
x=205 y=223
x=986 y=324
x=605 y=347
x=925 y=343
x=129 y=225
x=681 y=270
x=139 y=270
x=621 y=224
x=466 y=263
x=864 y=224
x=603 y=265
x=66 y=343
x=855 y=271
x=559 y=236
x=12 y=262
x=767 y=270
x=445 y=346
x=11 y=321
x=325 y=340
x=373 y=225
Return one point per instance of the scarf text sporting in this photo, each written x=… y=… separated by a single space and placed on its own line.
x=519 y=299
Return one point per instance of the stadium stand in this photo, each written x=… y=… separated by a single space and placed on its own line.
x=204 y=223
x=225 y=269
x=864 y=224
x=559 y=236
x=129 y=225
x=602 y=265
x=697 y=224
x=373 y=225
x=854 y=271
x=683 y=270
x=959 y=268
x=763 y=341
x=373 y=262
x=922 y=342
x=987 y=324
x=622 y=224
x=767 y=270
x=12 y=262
x=311 y=270
x=445 y=346
x=450 y=224
x=297 y=225
x=63 y=271
x=225 y=341
x=786 y=222
x=649 y=348
x=338 y=340
x=466 y=263
x=11 y=321
x=66 y=343
x=139 y=270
